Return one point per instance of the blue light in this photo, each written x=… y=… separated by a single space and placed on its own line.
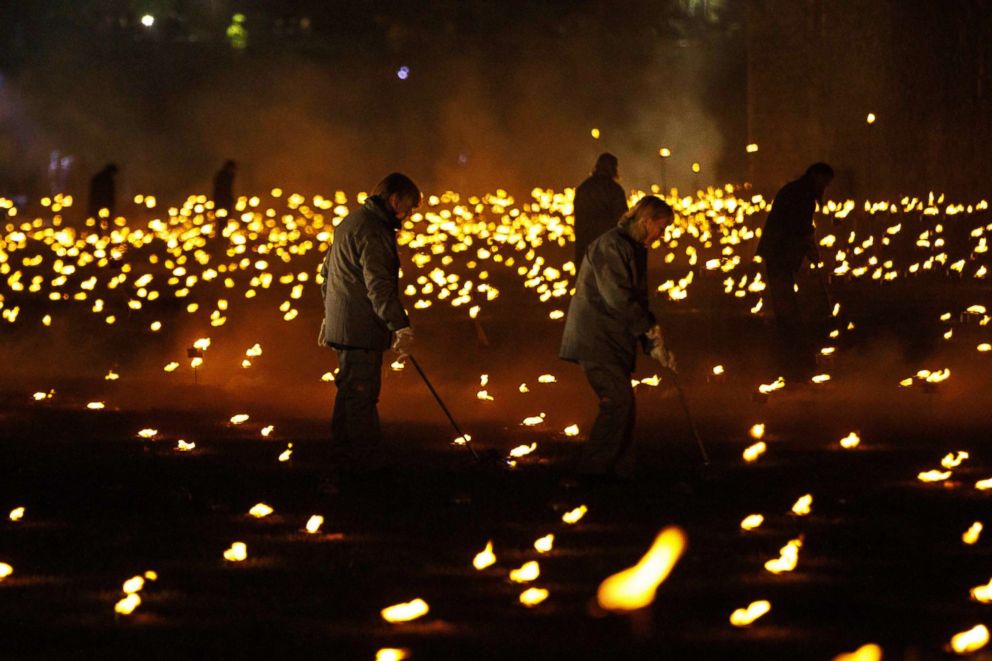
x=403 y=73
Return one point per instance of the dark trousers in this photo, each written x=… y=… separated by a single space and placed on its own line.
x=794 y=344
x=610 y=448
x=355 y=433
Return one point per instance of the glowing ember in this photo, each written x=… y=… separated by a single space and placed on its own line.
x=485 y=558
x=752 y=521
x=392 y=654
x=183 y=446
x=787 y=559
x=127 y=605
x=802 y=505
x=952 y=460
x=850 y=441
x=267 y=430
x=5 y=570
x=635 y=587
x=982 y=593
x=933 y=476
x=533 y=596
x=148 y=433
x=545 y=544
x=314 y=523
x=971 y=640
x=972 y=534
x=522 y=450
x=17 y=514
x=406 y=611
x=525 y=573
x=96 y=406
x=254 y=351
x=718 y=370
x=462 y=440
x=572 y=517
x=237 y=552
x=757 y=431
x=134 y=584
x=239 y=418
x=533 y=420
x=743 y=617
x=547 y=378
x=171 y=367
x=767 y=388
x=571 y=430
x=260 y=511
x=286 y=454
x=869 y=652
x=820 y=378
x=984 y=485
x=752 y=452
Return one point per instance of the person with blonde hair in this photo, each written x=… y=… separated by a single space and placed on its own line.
x=607 y=318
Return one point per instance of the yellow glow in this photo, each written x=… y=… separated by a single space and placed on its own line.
x=953 y=460
x=392 y=654
x=127 y=605
x=529 y=571
x=17 y=514
x=757 y=431
x=595 y=133
x=972 y=534
x=260 y=510
x=802 y=505
x=869 y=652
x=971 y=640
x=406 y=611
x=533 y=596
x=485 y=558
x=743 y=617
x=572 y=517
x=933 y=476
x=571 y=430
x=148 y=433
x=237 y=552
x=544 y=544
x=850 y=441
x=134 y=584
x=314 y=523
x=787 y=559
x=982 y=593
x=239 y=418
x=752 y=521
x=635 y=587
x=752 y=452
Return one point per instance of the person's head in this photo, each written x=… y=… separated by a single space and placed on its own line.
x=607 y=165
x=110 y=168
x=230 y=166
x=820 y=175
x=399 y=193
x=646 y=221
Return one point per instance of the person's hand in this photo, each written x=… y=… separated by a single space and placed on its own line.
x=665 y=358
x=403 y=342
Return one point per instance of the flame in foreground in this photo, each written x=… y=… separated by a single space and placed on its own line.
x=572 y=430
x=743 y=617
x=529 y=571
x=984 y=485
x=757 y=431
x=127 y=605
x=635 y=587
x=971 y=640
x=952 y=460
x=545 y=544
x=869 y=652
x=533 y=596
x=752 y=521
x=485 y=557
x=787 y=559
x=314 y=523
x=406 y=611
x=573 y=516
x=850 y=441
x=260 y=510
x=752 y=452
x=5 y=570
x=392 y=654
x=933 y=476
x=237 y=552
x=982 y=593
x=17 y=514
x=971 y=535
x=802 y=506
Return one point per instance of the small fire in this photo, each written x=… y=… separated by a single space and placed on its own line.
x=134 y=584
x=522 y=450
x=652 y=381
x=752 y=452
x=127 y=605
x=17 y=514
x=545 y=544
x=267 y=430
x=820 y=378
x=260 y=511
x=148 y=433
x=787 y=559
x=743 y=617
x=547 y=378
x=635 y=587
x=533 y=420
x=237 y=552
x=485 y=557
x=767 y=388
x=982 y=593
x=5 y=571
x=462 y=440
x=971 y=640
x=572 y=430
x=406 y=611
x=286 y=454
x=972 y=534
x=933 y=476
x=752 y=521
x=171 y=367
x=952 y=460
x=397 y=366
x=183 y=446
x=392 y=654
x=533 y=596
x=239 y=418
x=802 y=505
x=984 y=485
x=523 y=388
x=868 y=652
x=850 y=441
x=314 y=523
x=757 y=431
x=525 y=573
x=718 y=370
x=572 y=517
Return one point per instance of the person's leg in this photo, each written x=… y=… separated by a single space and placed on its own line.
x=355 y=423
x=609 y=448
x=788 y=326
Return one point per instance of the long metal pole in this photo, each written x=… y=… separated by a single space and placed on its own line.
x=688 y=416
x=444 y=408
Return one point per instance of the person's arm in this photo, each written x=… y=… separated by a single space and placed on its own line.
x=380 y=270
x=616 y=277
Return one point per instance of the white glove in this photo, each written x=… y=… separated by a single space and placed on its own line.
x=403 y=342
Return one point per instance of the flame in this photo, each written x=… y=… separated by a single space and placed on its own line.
x=183 y=446
x=523 y=388
x=148 y=433
x=972 y=534
x=820 y=378
x=971 y=640
x=533 y=596
x=787 y=559
x=982 y=593
x=260 y=510
x=802 y=505
x=571 y=430
x=286 y=454
x=751 y=453
x=171 y=367
x=545 y=544
x=392 y=654
x=868 y=652
x=850 y=441
x=767 y=388
x=752 y=521
x=933 y=476
x=718 y=370
x=267 y=430
x=134 y=584
x=635 y=587
x=239 y=418
x=314 y=523
x=484 y=558
x=952 y=460
x=533 y=420
x=522 y=450
x=984 y=485
x=17 y=514
x=237 y=552
x=757 y=431
x=5 y=571
x=547 y=378
x=406 y=611
x=529 y=571
x=572 y=517
x=127 y=605
x=743 y=617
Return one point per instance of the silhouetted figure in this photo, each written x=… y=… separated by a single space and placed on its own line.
x=607 y=317
x=599 y=203
x=787 y=239
x=364 y=315
x=102 y=192
x=224 y=187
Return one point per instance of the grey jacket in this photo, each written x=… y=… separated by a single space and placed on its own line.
x=609 y=310
x=362 y=305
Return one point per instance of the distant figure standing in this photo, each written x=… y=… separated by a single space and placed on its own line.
x=599 y=203
x=102 y=192
x=224 y=187
x=364 y=315
x=787 y=239
x=607 y=317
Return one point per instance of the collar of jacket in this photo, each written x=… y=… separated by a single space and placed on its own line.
x=625 y=234
x=377 y=205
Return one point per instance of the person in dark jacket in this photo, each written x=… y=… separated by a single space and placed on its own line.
x=364 y=314
x=787 y=239
x=599 y=203
x=224 y=187
x=607 y=317
x=102 y=193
